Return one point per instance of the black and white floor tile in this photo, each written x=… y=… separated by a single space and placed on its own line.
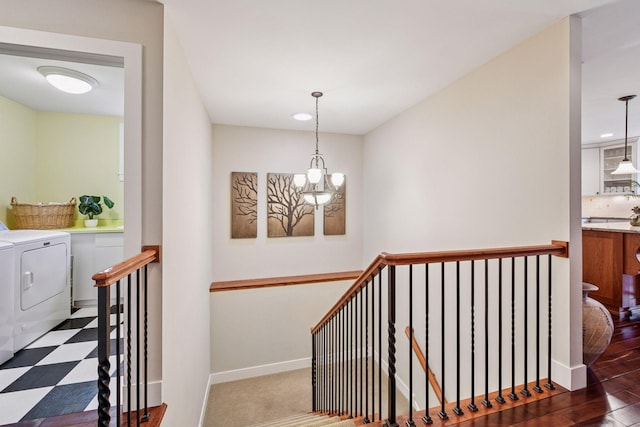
x=56 y=374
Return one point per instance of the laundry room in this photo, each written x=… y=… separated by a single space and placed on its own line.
x=56 y=147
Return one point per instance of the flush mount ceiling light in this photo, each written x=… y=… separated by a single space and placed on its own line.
x=317 y=184
x=303 y=117
x=69 y=81
x=626 y=166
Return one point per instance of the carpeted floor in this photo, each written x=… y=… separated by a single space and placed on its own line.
x=270 y=397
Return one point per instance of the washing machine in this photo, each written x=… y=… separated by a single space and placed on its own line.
x=41 y=282
x=6 y=301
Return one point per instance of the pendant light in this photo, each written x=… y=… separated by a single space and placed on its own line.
x=317 y=184
x=626 y=166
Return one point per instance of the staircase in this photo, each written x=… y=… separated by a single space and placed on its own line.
x=308 y=420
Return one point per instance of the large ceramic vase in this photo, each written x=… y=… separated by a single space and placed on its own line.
x=597 y=326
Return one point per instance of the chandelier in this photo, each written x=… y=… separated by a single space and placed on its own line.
x=626 y=165
x=317 y=185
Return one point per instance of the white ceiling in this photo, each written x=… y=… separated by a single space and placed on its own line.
x=256 y=62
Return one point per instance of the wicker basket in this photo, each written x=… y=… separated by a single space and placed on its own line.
x=43 y=216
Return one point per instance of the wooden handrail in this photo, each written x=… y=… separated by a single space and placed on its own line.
x=234 y=285
x=557 y=248
x=112 y=274
x=423 y=362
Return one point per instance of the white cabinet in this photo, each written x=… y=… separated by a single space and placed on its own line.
x=610 y=158
x=590 y=171
x=91 y=253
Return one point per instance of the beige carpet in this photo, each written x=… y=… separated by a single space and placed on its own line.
x=270 y=397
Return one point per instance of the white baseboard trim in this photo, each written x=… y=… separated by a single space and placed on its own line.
x=571 y=378
x=154 y=398
x=204 y=404
x=400 y=385
x=257 y=371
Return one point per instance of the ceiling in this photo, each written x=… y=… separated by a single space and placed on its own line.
x=256 y=62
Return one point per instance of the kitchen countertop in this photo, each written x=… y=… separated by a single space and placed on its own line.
x=616 y=227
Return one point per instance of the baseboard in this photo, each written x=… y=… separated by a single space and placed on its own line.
x=204 y=404
x=571 y=378
x=400 y=385
x=257 y=371
x=154 y=398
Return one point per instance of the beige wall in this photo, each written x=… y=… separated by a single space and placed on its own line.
x=187 y=241
x=17 y=155
x=490 y=161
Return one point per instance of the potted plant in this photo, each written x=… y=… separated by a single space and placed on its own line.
x=90 y=206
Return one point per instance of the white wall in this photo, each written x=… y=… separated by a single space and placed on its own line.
x=486 y=163
x=242 y=149
x=187 y=247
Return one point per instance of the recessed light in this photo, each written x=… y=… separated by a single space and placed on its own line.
x=302 y=116
x=69 y=81
x=606 y=135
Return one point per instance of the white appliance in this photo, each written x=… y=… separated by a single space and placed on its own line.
x=41 y=282
x=6 y=301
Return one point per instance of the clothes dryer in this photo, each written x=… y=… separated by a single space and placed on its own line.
x=6 y=301
x=41 y=280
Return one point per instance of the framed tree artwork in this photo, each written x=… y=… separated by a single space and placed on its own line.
x=335 y=213
x=244 y=205
x=287 y=213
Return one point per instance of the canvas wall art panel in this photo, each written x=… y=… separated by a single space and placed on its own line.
x=244 y=205
x=287 y=213
x=335 y=213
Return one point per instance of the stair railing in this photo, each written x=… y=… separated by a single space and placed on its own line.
x=465 y=296
x=133 y=273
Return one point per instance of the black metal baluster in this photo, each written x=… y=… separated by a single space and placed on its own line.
x=457 y=410
x=443 y=413
x=138 y=349
x=104 y=366
x=513 y=395
x=472 y=406
x=366 y=353
x=391 y=331
x=332 y=366
x=380 y=341
x=358 y=351
x=537 y=388
x=354 y=354
x=373 y=348
x=500 y=399
x=342 y=361
x=525 y=391
x=486 y=402
x=118 y=352
x=314 y=406
x=129 y=350
x=410 y=422
x=426 y=418
x=362 y=391
x=146 y=415
x=549 y=384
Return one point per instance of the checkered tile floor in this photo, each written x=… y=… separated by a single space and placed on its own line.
x=57 y=374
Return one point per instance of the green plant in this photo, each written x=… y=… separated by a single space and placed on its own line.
x=90 y=205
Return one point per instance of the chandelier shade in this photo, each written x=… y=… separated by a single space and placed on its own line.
x=317 y=185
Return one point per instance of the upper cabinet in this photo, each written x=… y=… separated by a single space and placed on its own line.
x=598 y=161
x=590 y=171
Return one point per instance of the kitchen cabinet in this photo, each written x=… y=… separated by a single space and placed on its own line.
x=590 y=171
x=609 y=261
x=610 y=158
x=91 y=253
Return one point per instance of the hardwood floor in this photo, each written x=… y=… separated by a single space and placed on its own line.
x=611 y=398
